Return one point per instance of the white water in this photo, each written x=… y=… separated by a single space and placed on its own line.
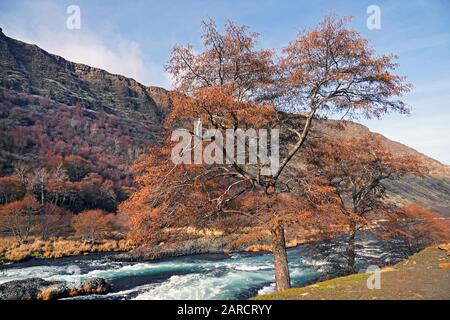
x=234 y=276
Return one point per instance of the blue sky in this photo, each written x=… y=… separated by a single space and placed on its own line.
x=134 y=38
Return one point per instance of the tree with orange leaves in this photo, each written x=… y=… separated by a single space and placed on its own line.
x=231 y=85
x=52 y=221
x=19 y=217
x=92 y=225
x=357 y=168
x=417 y=226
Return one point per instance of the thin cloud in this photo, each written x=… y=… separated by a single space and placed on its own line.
x=120 y=56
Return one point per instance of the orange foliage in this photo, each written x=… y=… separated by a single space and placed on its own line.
x=332 y=69
x=357 y=168
x=18 y=217
x=231 y=84
x=52 y=221
x=92 y=225
x=418 y=225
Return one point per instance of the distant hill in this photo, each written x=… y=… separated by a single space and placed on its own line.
x=28 y=69
x=51 y=107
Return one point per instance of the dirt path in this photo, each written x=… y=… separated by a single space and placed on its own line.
x=425 y=275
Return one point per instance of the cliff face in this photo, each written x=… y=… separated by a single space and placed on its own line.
x=28 y=70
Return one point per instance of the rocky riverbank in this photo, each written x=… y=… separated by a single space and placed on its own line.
x=39 y=289
x=190 y=247
x=202 y=245
x=13 y=251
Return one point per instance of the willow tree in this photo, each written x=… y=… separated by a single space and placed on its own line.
x=230 y=84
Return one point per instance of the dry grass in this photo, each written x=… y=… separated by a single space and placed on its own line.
x=12 y=250
x=267 y=248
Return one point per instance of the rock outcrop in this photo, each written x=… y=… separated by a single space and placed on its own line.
x=40 y=289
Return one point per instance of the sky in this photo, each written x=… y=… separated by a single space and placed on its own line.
x=134 y=38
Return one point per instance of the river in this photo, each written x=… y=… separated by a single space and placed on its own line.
x=208 y=276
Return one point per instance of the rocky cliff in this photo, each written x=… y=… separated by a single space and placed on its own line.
x=29 y=69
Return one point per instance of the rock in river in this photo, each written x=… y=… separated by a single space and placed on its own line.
x=40 y=289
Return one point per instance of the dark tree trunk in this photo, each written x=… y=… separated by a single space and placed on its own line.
x=282 y=278
x=351 y=250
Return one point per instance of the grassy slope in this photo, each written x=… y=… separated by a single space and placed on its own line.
x=422 y=276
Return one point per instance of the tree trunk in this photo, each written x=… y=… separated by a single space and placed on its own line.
x=351 y=250
x=282 y=278
x=42 y=194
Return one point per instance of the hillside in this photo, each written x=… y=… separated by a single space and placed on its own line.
x=96 y=124
x=51 y=109
x=28 y=69
x=94 y=147
x=425 y=275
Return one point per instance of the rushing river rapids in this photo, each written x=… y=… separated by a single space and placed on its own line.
x=211 y=276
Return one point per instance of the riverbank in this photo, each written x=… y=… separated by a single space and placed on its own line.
x=35 y=248
x=425 y=275
x=198 y=246
x=13 y=251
